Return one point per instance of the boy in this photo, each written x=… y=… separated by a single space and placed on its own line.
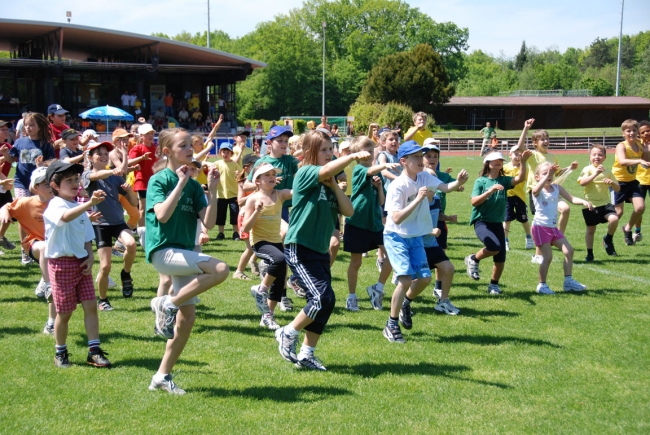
x=643 y=175
x=146 y=147
x=111 y=224
x=597 y=181
x=390 y=140
x=516 y=201
x=407 y=221
x=71 y=151
x=241 y=144
x=419 y=131
x=68 y=248
x=227 y=190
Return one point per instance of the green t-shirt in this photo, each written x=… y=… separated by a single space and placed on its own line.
x=180 y=230
x=289 y=166
x=367 y=210
x=493 y=209
x=445 y=178
x=315 y=210
x=487 y=132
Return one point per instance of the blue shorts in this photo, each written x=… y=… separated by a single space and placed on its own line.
x=407 y=256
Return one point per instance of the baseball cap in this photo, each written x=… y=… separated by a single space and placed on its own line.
x=56 y=109
x=225 y=146
x=243 y=133
x=197 y=163
x=430 y=144
x=277 y=131
x=383 y=130
x=264 y=168
x=344 y=145
x=514 y=148
x=493 y=156
x=120 y=132
x=407 y=148
x=145 y=128
x=70 y=133
x=90 y=132
x=250 y=158
x=38 y=176
x=59 y=166
x=92 y=145
x=3 y=123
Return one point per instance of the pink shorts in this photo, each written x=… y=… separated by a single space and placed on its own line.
x=543 y=235
x=69 y=285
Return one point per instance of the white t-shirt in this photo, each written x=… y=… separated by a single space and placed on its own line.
x=132 y=99
x=546 y=207
x=125 y=99
x=401 y=192
x=66 y=239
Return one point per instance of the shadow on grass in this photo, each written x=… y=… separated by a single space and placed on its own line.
x=17 y=331
x=467 y=312
x=355 y=326
x=24 y=299
x=280 y=394
x=154 y=363
x=239 y=329
x=373 y=370
x=524 y=296
x=109 y=337
x=490 y=340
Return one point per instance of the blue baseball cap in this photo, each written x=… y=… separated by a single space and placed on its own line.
x=277 y=131
x=225 y=146
x=383 y=130
x=407 y=148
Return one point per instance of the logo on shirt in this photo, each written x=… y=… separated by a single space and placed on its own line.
x=29 y=156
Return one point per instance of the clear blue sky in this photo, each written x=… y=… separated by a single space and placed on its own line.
x=494 y=27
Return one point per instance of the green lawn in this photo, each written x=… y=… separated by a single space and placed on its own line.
x=519 y=363
x=553 y=133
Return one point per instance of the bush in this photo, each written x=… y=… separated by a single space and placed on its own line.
x=390 y=113
x=299 y=126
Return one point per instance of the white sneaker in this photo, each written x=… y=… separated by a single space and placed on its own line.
x=142 y=233
x=571 y=284
x=394 y=279
x=544 y=289
x=269 y=322
x=437 y=293
x=507 y=245
x=637 y=237
x=446 y=307
x=537 y=259
x=472 y=268
x=380 y=264
x=529 y=243
x=40 y=289
x=260 y=299
x=351 y=303
x=111 y=283
x=494 y=289
x=286 y=304
x=376 y=297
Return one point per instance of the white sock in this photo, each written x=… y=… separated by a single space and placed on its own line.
x=290 y=331
x=379 y=286
x=159 y=377
x=168 y=304
x=263 y=289
x=306 y=351
x=352 y=296
x=50 y=321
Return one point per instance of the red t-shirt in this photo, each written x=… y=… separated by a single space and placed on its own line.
x=6 y=166
x=56 y=135
x=146 y=166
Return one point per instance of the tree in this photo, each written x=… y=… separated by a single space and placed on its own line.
x=520 y=59
x=599 y=54
x=416 y=78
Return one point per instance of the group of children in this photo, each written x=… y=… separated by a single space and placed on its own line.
x=287 y=209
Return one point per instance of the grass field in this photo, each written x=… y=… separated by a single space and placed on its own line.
x=518 y=363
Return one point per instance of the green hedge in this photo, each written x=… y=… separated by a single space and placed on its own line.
x=390 y=113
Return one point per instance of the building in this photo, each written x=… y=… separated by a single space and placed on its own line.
x=509 y=113
x=82 y=67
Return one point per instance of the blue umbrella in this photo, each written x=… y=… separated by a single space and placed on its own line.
x=108 y=113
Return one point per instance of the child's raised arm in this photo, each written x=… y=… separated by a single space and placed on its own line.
x=537 y=188
x=521 y=176
x=574 y=199
x=382 y=160
x=463 y=176
x=524 y=134
x=336 y=166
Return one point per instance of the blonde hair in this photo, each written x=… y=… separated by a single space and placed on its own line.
x=370 y=127
x=311 y=144
x=165 y=140
x=538 y=135
x=630 y=123
x=541 y=167
x=421 y=114
x=599 y=147
x=361 y=143
x=385 y=135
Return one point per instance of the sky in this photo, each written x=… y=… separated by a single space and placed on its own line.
x=496 y=27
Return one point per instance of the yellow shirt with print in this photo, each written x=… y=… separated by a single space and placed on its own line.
x=531 y=164
x=512 y=171
x=421 y=135
x=627 y=173
x=227 y=187
x=597 y=192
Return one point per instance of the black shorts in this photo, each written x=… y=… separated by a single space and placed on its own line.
x=337 y=224
x=104 y=234
x=142 y=194
x=531 y=203
x=6 y=198
x=435 y=255
x=516 y=210
x=598 y=215
x=629 y=190
x=492 y=235
x=442 y=238
x=223 y=204
x=645 y=188
x=359 y=240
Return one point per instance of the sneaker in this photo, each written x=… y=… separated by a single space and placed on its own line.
x=61 y=360
x=286 y=304
x=376 y=297
x=544 y=289
x=286 y=345
x=263 y=267
x=589 y=258
x=221 y=236
x=529 y=243
x=437 y=293
x=6 y=243
x=49 y=329
x=48 y=293
x=351 y=303
x=97 y=358
x=405 y=316
x=537 y=259
x=104 y=305
x=292 y=283
x=629 y=241
x=165 y=317
x=394 y=335
x=472 y=268
x=111 y=283
x=447 y=307
x=494 y=289
x=637 y=237
x=380 y=264
x=255 y=268
x=127 y=284
x=142 y=235
x=40 y=289
x=116 y=253
x=609 y=247
x=269 y=322
x=235 y=236
x=166 y=385
x=571 y=284
x=240 y=275
x=261 y=299
x=507 y=245
x=25 y=259
x=119 y=247
x=311 y=363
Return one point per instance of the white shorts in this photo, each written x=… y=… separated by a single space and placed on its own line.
x=182 y=265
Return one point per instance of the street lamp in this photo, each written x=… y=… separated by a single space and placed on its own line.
x=324 y=26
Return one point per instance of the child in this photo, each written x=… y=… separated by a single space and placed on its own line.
x=317 y=199
x=241 y=144
x=146 y=133
x=516 y=202
x=629 y=154
x=227 y=190
x=419 y=131
x=545 y=231
x=364 y=229
x=408 y=220
x=71 y=152
x=390 y=140
x=202 y=151
x=597 y=182
x=262 y=217
x=248 y=254
x=643 y=175
x=488 y=214
x=68 y=248
x=373 y=134
x=111 y=225
x=174 y=201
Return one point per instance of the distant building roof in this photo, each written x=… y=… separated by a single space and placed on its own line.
x=548 y=101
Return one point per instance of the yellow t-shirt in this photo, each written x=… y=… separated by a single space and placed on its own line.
x=237 y=149
x=627 y=173
x=597 y=192
x=348 y=175
x=421 y=135
x=532 y=163
x=512 y=171
x=643 y=175
x=267 y=225
x=227 y=187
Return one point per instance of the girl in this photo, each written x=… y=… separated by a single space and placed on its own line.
x=488 y=214
x=248 y=255
x=373 y=128
x=545 y=231
x=56 y=117
x=263 y=217
x=174 y=201
x=317 y=199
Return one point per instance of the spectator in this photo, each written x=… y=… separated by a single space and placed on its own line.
x=126 y=101
x=486 y=132
x=169 y=104
x=132 y=100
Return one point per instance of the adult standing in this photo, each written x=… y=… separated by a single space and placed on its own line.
x=419 y=131
x=486 y=132
x=126 y=101
x=132 y=98
x=183 y=117
x=323 y=123
x=169 y=104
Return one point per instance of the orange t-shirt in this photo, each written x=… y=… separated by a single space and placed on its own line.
x=29 y=214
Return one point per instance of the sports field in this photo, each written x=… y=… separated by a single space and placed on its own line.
x=516 y=363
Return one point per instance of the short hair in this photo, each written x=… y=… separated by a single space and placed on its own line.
x=630 y=123
x=361 y=143
x=539 y=134
x=422 y=114
x=601 y=147
x=386 y=134
x=644 y=123
x=59 y=176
